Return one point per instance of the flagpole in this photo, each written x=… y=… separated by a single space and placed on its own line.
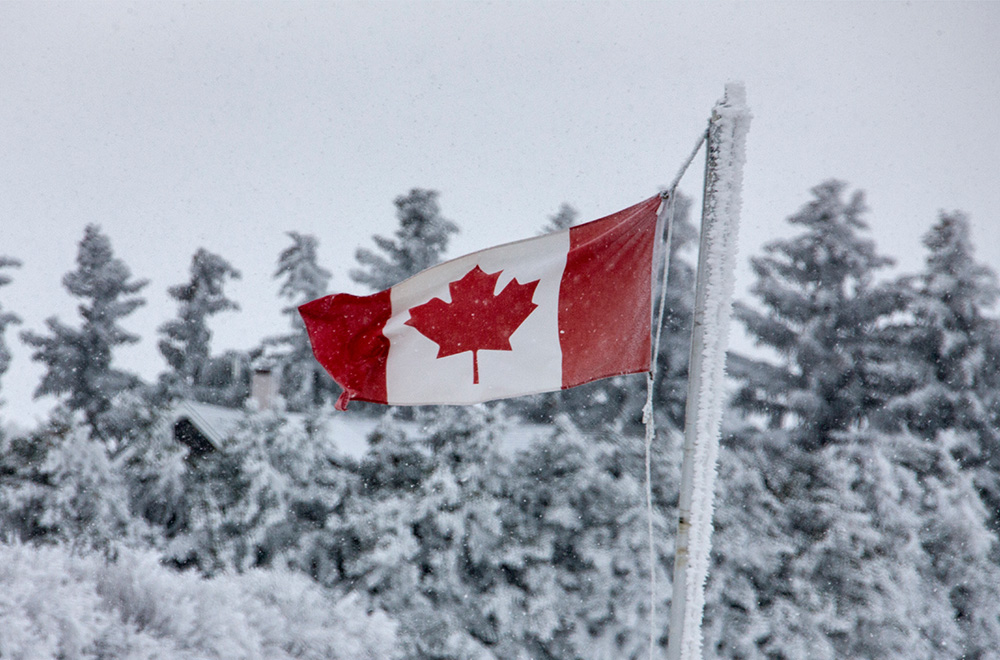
x=709 y=337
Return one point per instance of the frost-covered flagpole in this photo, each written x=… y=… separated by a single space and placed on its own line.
x=709 y=337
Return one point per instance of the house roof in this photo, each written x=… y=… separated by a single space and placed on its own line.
x=204 y=427
x=212 y=424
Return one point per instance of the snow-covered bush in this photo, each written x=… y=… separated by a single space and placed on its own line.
x=55 y=604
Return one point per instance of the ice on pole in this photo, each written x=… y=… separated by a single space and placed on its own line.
x=706 y=385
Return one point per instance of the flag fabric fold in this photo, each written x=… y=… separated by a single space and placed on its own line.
x=537 y=315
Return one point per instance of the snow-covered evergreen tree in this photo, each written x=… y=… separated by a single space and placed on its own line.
x=478 y=554
x=825 y=319
x=6 y=318
x=955 y=352
x=86 y=500
x=577 y=553
x=851 y=550
x=829 y=529
x=820 y=319
x=421 y=239
x=186 y=340
x=422 y=537
x=304 y=383
x=954 y=534
x=155 y=468
x=249 y=504
x=952 y=340
x=65 y=488
x=78 y=361
x=21 y=487
x=302 y=278
x=229 y=502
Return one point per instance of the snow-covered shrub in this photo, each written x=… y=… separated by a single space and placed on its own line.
x=54 y=604
x=45 y=610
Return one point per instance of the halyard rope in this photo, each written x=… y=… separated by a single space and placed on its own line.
x=669 y=198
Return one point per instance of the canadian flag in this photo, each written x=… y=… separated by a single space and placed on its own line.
x=537 y=315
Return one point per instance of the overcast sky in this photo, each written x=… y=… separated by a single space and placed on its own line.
x=184 y=125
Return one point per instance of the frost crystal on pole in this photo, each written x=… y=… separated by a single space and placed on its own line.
x=710 y=335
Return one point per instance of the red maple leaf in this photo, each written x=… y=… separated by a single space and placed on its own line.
x=475 y=319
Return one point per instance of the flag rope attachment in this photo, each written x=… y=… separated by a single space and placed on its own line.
x=669 y=197
x=672 y=188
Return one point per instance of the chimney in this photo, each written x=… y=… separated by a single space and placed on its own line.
x=263 y=388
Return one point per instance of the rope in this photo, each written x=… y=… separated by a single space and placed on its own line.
x=647 y=419
x=672 y=188
x=669 y=197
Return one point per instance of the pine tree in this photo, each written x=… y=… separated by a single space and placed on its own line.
x=863 y=548
x=955 y=354
x=231 y=498
x=257 y=500
x=830 y=528
x=22 y=488
x=63 y=486
x=955 y=535
x=304 y=279
x=6 y=318
x=304 y=384
x=821 y=315
x=478 y=554
x=577 y=555
x=155 y=468
x=78 y=362
x=826 y=321
x=422 y=536
x=85 y=503
x=952 y=341
x=421 y=240
x=186 y=342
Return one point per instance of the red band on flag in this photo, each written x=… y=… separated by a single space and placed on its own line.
x=347 y=339
x=604 y=296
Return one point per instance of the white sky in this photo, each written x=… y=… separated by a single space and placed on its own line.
x=184 y=125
